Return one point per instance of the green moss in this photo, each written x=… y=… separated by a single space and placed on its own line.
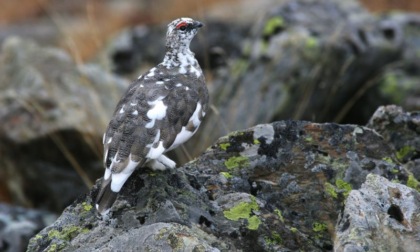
x=254 y=222
x=38 y=236
x=274 y=240
x=278 y=212
x=52 y=248
x=330 y=190
x=272 y=25
x=388 y=160
x=236 y=162
x=86 y=206
x=311 y=42
x=404 y=152
x=67 y=233
x=244 y=210
x=256 y=141
x=309 y=139
x=224 y=146
x=394 y=171
x=293 y=229
x=413 y=182
x=226 y=175
x=391 y=88
x=343 y=186
x=319 y=227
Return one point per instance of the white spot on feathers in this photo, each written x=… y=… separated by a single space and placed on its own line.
x=107 y=173
x=135 y=112
x=178 y=85
x=109 y=140
x=156 y=152
x=195 y=117
x=151 y=72
x=118 y=179
x=133 y=104
x=140 y=77
x=181 y=138
x=159 y=82
x=141 y=85
x=122 y=109
x=187 y=88
x=157 y=112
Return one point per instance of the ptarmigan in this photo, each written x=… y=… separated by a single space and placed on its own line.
x=160 y=110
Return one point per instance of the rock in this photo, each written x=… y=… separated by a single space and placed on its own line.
x=52 y=117
x=273 y=187
x=310 y=60
x=380 y=216
x=17 y=225
x=402 y=131
x=135 y=50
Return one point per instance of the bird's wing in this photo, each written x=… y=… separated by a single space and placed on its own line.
x=151 y=119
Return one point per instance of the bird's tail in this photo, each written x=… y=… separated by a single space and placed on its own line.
x=106 y=197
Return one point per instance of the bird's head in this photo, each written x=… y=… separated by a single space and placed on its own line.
x=180 y=33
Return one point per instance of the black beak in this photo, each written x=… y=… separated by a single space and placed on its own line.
x=197 y=24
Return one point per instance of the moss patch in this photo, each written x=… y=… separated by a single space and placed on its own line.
x=341 y=186
x=67 y=233
x=86 y=206
x=413 y=182
x=236 y=162
x=244 y=210
x=330 y=190
x=226 y=175
x=272 y=26
x=224 y=146
x=404 y=152
x=319 y=227
x=274 y=240
x=278 y=212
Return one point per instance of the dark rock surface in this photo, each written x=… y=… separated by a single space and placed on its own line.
x=273 y=187
x=52 y=117
x=18 y=225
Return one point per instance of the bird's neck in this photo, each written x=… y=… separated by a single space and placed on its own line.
x=179 y=57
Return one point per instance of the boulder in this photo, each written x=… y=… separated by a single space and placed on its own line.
x=52 y=117
x=380 y=216
x=272 y=187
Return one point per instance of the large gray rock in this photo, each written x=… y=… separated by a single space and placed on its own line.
x=380 y=216
x=273 y=187
x=52 y=117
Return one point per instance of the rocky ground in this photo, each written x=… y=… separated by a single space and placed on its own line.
x=282 y=178
x=284 y=186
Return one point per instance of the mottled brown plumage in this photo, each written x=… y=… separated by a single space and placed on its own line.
x=159 y=111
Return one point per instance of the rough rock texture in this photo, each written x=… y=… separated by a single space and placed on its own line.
x=52 y=117
x=381 y=216
x=273 y=187
x=326 y=60
x=401 y=130
x=18 y=225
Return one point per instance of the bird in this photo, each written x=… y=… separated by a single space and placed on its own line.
x=159 y=111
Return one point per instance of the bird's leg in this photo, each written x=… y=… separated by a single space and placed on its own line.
x=166 y=161
x=161 y=163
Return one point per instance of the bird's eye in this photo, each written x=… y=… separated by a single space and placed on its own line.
x=182 y=26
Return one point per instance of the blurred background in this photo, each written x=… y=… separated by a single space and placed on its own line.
x=65 y=64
